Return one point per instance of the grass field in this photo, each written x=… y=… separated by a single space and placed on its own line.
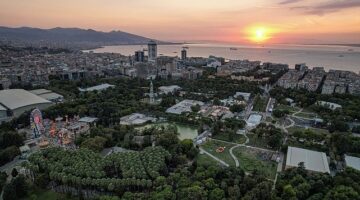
x=286 y=107
x=250 y=160
x=260 y=104
x=307 y=145
x=40 y=194
x=240 y=139
x=205 y=160
x=225 y=156
x=298 y=128
x=257 y=142
x=306 y=115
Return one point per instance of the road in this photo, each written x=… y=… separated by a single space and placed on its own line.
x=10 y=165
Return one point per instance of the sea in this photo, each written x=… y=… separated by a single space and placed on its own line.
x=327 y=56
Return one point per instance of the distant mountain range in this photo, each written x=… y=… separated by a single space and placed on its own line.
x=70 y=36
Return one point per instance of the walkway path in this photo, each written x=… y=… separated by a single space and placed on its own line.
x=238 y=145
x=297 y=112
x=292 y=123
x=247 y=146
x=214 y=157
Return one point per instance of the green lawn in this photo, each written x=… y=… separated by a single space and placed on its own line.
x=257 y=142
x=225 y=156
x=205 y=160
x=306 y=115
x=260 y=104
x=250 y=160
x=298 y=128
x=286 y=107
x=307 y=145
x=41 y=194
x=240 y=139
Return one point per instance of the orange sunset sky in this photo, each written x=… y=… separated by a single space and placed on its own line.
x=240 y=21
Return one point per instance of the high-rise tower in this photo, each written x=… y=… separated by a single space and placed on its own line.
x=183 y=54
x=139 y=56
x=152 y=50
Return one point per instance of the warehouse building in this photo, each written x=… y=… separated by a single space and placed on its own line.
x=353 y=162
x=48 y=95
x=183 y=106
x=101 y=87
x=314 y=161
x=171 y=89
x=18 y=101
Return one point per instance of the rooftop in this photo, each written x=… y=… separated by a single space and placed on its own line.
x=353 y=162
x=2 y=108
x=40 y=91
x=169 y=88
x=135 y=119
x=313 y=160
x=97 y=88
x=245 y=95
x=254 y=119
x=88 y=119
x=51 y=96
x=17 y=98
x=183 y=106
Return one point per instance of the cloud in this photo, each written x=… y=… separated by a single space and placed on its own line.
x=289 y=2
x=329 y=7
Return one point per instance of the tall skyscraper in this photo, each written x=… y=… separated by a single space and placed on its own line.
x=183 y=54
x=139 y=56
x=152 y=50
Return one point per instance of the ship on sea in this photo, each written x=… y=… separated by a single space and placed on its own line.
x=233 y=49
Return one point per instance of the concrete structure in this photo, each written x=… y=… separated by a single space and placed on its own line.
x=339 y=81
x=353 y=162
x=237 y=66
x=48 y=95
x=151 y=94
x=290 y=79
x=216 y=112
x=139 y=56
x=184 y=106
x=183 y=54
x=244 y=95
x=312 y=79
x=332 y=106
x=301 y=67
x=212 y=62
x=88 y=120
x=169 y=89
x=18 y=101
x=313 y=160
x=152 y=50
x=136 y=119
x=254 y=120
x=3 y=114
x=97 y=88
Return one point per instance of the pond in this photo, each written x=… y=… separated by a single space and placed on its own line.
x=185 y=131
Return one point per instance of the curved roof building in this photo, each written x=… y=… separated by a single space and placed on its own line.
x=20 y=101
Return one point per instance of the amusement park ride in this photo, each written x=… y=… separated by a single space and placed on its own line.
x=36 y=122
x=61 y=136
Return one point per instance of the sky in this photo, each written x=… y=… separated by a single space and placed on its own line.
x=234 y=21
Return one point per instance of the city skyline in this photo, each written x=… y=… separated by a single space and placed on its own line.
x=259 y=21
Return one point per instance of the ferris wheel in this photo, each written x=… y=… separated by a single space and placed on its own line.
x=36 y=123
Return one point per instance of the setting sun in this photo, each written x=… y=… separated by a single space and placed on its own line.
x=259 y=34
